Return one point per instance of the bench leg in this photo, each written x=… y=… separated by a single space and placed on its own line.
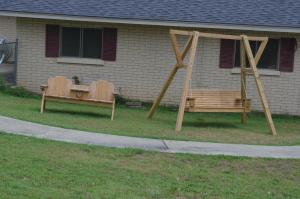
x=113 y=110
x=43 y=104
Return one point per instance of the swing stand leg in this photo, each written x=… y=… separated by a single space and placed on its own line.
x=187 y=80
x=253 y=64
x=244 y=118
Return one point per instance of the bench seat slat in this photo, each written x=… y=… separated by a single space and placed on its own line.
x=78 y=99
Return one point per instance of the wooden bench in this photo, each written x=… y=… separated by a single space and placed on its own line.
x=216 y=101
x=100 y=93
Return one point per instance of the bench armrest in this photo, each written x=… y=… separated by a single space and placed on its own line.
x=43 y=87
x=115 y=93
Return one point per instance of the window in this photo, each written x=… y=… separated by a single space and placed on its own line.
x=81 y=42
x=269 y=58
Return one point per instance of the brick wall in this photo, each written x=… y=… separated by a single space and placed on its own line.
x=8 y=28
x=144 y=59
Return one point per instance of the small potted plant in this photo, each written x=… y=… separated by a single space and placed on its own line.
x=76 y=80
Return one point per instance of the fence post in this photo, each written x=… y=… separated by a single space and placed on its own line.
x=16 y=61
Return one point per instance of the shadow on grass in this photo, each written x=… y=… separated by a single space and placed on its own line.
x=210 y=124
x=79 y=113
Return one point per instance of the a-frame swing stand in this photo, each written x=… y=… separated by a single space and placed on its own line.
x=237 y=105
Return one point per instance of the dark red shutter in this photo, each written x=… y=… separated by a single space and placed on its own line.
x=109 y=44
x=227 y=53
x=287 y=53
x=52 y=40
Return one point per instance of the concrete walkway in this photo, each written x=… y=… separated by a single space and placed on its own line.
x=19 y=127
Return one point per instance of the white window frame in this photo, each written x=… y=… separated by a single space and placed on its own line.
x=81 y=42
x=262 y=69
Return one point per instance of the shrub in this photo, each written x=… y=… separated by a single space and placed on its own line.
x=120 y=100
x=20 y=92
x=2 y=83
x=15 y=90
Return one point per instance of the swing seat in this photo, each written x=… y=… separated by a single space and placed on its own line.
x=216 y=101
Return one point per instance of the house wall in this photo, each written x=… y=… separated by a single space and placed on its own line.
x=8 y=28
x=144 y=60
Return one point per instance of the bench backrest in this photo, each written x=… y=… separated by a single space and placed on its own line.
x=101 y=90
x=59 y=86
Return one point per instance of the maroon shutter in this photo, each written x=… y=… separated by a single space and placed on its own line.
x=52 y=40
x=109 y=44
x=287 y=53
x=227 y=53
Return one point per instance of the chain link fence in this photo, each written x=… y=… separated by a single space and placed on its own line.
x=8 y=62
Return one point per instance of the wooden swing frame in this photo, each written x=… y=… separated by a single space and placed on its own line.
x=191 y=47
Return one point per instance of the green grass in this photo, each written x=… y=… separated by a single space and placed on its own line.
x=214 y=127
x=34 y=168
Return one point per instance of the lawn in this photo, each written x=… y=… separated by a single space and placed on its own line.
x=34 y=168
x=213 y=127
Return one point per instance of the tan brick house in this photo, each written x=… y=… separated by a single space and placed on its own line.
x=131 y=46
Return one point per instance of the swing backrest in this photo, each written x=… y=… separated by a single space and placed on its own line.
x=215 y=101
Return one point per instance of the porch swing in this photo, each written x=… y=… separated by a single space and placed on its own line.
x=212 y=100
x=216 y=100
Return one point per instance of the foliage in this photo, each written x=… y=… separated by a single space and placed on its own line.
x=213 y=127
x=76 y=80
x=15 y=90
x=20 y=92
x=2 y=83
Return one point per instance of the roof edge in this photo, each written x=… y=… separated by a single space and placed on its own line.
x=150 y=22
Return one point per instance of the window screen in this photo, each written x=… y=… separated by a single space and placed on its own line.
x=269 y=58
x=81 y=42
x=70 y=43
x=92 y=43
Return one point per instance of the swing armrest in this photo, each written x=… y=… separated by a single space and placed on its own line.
x=247 y=103
x=191 y=100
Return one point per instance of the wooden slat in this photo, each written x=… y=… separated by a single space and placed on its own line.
x=181 y=32
x=247 y=70
x=80 y=88
x=214 y=95
x=169 y=79
x=186 y=48
x=260 y=50
x=73 y=101
x=70 y=99
x=176 y=50
x=216 y=35
x=243 y=81
x=259 y=85
x=232 y=37
x=187 y=81
x=217 y=110
x=213 y=91
x=101 y=90
x=59 y=86
x=216 y=101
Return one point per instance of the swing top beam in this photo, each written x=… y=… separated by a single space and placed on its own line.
x=215 y=36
